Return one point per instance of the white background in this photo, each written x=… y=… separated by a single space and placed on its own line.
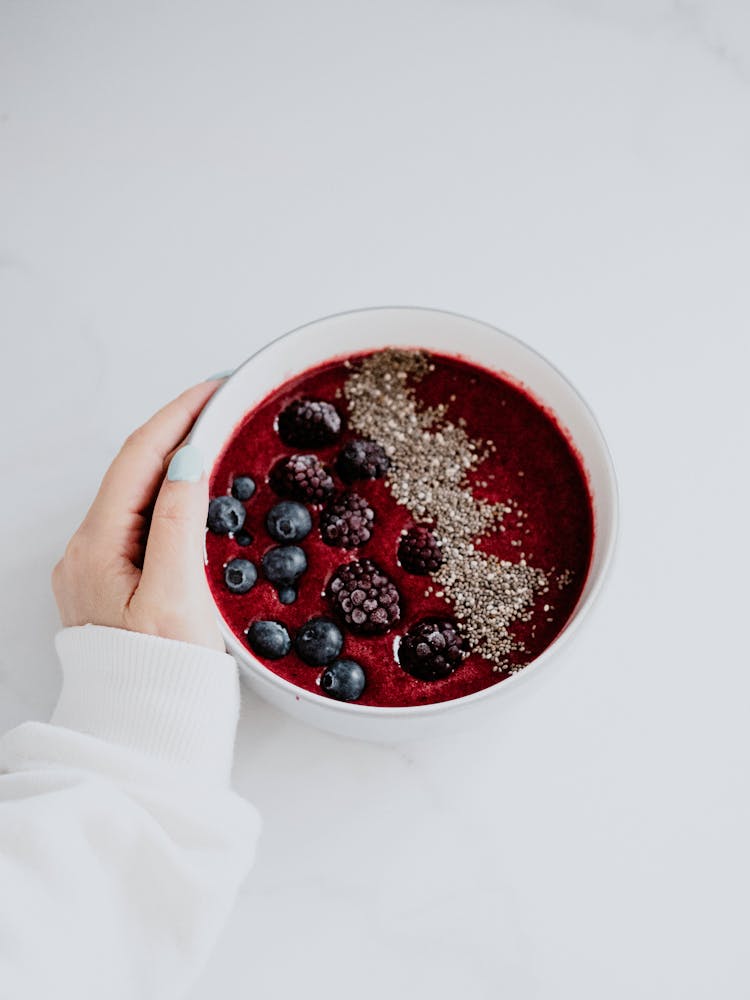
x=182 y=182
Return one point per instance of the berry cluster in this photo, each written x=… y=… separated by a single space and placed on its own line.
x=318 y=644
x=362 y=596
x=226 y=516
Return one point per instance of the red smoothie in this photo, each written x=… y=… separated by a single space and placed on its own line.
x=474 y=459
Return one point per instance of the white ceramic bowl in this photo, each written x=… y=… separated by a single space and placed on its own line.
x=370 y=329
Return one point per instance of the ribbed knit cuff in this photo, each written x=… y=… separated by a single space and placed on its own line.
x=172 y=700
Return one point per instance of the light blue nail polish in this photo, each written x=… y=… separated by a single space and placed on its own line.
x=186 y=465
x=220 y=375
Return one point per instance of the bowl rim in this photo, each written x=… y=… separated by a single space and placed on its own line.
x=250 y=664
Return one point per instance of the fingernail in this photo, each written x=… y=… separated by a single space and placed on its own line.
x=220 y=375
x=186 y=465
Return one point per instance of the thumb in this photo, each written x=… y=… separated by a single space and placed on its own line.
x=173 y=574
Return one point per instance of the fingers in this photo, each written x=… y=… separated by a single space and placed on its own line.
x=90 y=585
x=172 y=598
x=131 y=481
x=173 y=575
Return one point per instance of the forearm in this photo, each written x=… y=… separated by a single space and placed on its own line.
x=121 y=843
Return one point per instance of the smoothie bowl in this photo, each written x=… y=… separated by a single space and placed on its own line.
x=410 y=513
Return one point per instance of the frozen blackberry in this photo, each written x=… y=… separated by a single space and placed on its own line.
x=365 y=597
x=360 y=459
x=309 y=423
x=302 y=477
x=347 y=521
x=431 y=649
x=419 y=551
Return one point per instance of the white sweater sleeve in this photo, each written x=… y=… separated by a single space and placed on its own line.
x=121 y=843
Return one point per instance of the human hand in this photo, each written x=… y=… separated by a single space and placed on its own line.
x=131 y=568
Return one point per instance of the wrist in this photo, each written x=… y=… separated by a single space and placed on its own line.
x=167 y=698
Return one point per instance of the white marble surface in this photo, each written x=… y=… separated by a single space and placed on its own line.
x=180 y=183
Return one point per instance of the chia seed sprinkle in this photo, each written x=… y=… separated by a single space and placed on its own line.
x=431 y=458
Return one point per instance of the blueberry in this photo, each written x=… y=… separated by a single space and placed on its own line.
x=288 y=521
x=243 y=487
x=287 y=595
x=269 y=639
x=243 y=537
x=240 y=575
x=284 y=564
x=344 y=680
x=319 y=642
x=225 y=514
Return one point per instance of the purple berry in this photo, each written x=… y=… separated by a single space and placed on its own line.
x=361 y=459
x=302 y=477
x=309 y=423
x=431 y=649
x=347 y=521
x=365 y=597
x=419 y=551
